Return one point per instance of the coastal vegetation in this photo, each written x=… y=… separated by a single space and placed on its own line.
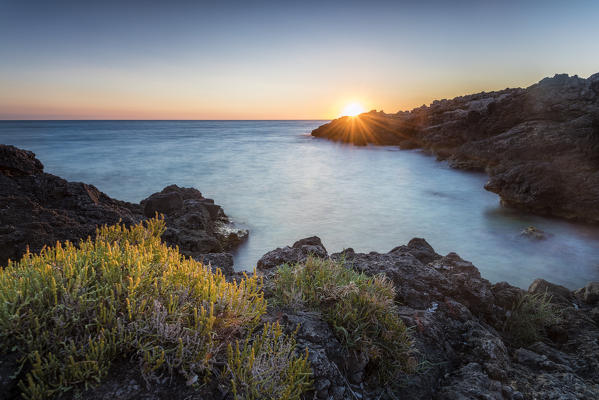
x=360 y=308
x=71 y=311
x=531 y=315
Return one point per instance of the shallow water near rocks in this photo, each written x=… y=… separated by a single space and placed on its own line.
x=283 y=185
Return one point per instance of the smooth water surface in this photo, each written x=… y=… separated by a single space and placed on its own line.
x=283 y=185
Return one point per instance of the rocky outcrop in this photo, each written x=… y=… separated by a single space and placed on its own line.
x=297 y=253
x=193 y=223
x=457 y=319
x=38 y=209
x=539 y=145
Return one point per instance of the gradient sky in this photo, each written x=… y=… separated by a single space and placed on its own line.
x=272 y=60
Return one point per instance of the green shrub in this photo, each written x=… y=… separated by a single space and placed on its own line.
x=71 y=311
x=267 y=367
x=360 y=308
x=529 y=317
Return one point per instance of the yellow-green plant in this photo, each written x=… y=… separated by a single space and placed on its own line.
x=71 y=311
x=360 y=308
x=266 y=367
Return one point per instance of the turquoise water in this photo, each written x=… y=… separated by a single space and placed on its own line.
x=283 y=184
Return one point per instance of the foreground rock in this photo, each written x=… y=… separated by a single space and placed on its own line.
x=38 y=209
x=457 y=319
x=539 y=145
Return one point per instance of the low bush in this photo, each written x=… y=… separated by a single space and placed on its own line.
x=360 y=308
x=71 y=311
x=529 y=318
x=267 y=367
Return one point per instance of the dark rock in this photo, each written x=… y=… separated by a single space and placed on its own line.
x=590 y=293
x=408 y=145
x=194 y=223
x=327 y=356
x=533 y=233
x=162 y=203
x=420 y=249
x=17 y=162
x=222 y=261
x=539 y=145
x=298 y=253
x=558 y=293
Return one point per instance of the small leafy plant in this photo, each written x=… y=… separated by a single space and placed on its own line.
x=360 y=308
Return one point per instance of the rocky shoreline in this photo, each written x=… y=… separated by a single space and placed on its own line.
x=458 y=322
x=539 y=145
x=38 y=209
x=462 y=326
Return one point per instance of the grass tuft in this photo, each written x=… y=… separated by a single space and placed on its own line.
x=71 y=311
x=530 y=315
x=360 y=308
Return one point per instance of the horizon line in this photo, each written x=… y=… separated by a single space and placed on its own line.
x=163 y=120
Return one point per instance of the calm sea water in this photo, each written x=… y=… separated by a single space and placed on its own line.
x=282 y=184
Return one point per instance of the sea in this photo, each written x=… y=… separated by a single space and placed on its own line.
x=282 y=184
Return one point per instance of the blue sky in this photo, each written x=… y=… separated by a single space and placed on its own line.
x=254 y=60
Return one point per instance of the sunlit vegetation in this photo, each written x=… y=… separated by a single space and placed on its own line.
x=71 y=312
x=360 y=308
x=529 y=318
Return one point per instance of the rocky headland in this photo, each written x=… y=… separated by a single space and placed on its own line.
x=38 y=209
x=539 y=145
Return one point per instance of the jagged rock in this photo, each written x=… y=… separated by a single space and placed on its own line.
x=38 y=209
x=162 y=203
x=17 y=162
x=194 y=223
x=558 y=293
x=297 y=253
x=590 y=293
x=539 y=145
x=327 y=356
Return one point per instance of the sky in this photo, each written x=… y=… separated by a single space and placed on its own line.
x=277 y=60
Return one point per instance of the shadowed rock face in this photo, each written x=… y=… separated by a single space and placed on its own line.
x=539 y=145
x=38 y=209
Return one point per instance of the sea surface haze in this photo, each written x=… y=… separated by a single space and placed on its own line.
x=283 y=185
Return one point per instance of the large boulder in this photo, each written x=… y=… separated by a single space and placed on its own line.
x=194 y=223
x=297 y=253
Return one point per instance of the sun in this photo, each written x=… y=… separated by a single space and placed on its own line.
x=352 y=109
